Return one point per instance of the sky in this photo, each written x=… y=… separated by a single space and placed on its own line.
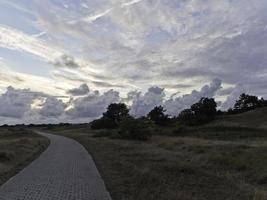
x=67 y=60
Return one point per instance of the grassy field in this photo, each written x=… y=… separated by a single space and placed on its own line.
x=256 y=118
x=210 y=162
x=18 y=147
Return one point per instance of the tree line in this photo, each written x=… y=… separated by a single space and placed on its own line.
x=203 y=111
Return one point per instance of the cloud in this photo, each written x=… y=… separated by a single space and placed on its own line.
x=93 y=105
x=81 y=90
x=16 y=103
x=176 y=105
x=231 y=99
x=133 y=44
x=66 y=61
x=26 y=106
x=14 y=39
x=143 y=104
x=52 y=107
x=155 y=96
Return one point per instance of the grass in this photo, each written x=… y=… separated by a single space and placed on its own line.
x=254 y=118
x=209 y=162
x=18 y=148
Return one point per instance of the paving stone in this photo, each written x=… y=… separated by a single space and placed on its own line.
x=64 y=171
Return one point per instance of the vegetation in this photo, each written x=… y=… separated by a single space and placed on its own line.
x=18 y=147
x=115 y=113
x=202 y=154
x=158 y=116
x=135 y=129
x=103 y=123
x=201 y=112
x=246 y=103
x=181 y=162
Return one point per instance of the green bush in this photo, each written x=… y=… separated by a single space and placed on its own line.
x=103 y=123
x=134 y=129
x=180 y=130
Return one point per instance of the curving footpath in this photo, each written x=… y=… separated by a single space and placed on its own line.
x=65 y=171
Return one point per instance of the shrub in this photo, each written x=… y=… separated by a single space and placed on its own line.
x=158 y=116
x=6 y=156
x=134 y=129
x=103 y=123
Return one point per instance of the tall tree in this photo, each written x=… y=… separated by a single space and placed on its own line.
x=200 y=112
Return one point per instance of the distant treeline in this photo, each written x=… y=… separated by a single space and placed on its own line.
x=246 y=103
x=204 y=111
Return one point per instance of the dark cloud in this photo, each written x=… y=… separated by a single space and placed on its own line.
x=17 y=103
x=142 y=104
x=106 y=85
x=231 y=99
x=176 y=105
x=34 y=107
x=52 y=107
x=81 y=90
x=93 y=105
x=176 y=86
x=66 y=61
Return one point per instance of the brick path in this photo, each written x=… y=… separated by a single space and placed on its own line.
x=65 y=171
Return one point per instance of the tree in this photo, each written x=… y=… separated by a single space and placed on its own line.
x=158 y=116
x=246 y=102
x=206 y=106
x=200 y=112
x=103 y=123
x=187 y=116
x=116 y=112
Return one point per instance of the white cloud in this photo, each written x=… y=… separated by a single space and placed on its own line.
x=93 y=105
x=16 y=103
x=52 y=107
x=13 y=39
x=143 y=104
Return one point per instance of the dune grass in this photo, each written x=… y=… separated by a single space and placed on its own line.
x=198 y=163
x=18 y=148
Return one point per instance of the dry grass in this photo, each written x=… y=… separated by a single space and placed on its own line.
x=18 y=147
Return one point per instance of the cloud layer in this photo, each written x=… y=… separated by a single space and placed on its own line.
x=26 y=106
x=149 y=52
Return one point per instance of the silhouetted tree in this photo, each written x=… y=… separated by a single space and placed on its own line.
x=246 y=102
x=187 y=116
x=103 y=123
x=206 y=106
x=158 y=116
x=116 y=112
x=200 y=112
x=263 y=103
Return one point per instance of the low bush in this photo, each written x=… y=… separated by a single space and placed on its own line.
x=6 y=156
x=135 y=129
x=104 y=133
x=180 y=130
x=103 y=123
